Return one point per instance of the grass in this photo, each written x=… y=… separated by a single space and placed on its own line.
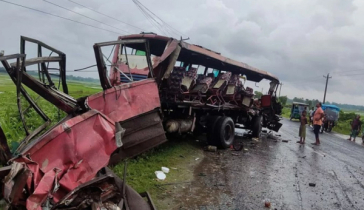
x=140 y=171
x=286 y=112
x=178 y=156
x=9 y=115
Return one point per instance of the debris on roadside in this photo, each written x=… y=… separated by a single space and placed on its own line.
x=197 y=159
x=245 y=149
x=235 y=154
x=286 y=141
x=211 y=148
x=201 y=174
x=165 y=170
x=160 y=175
x=255 y=139
x=267 y=204
x=312 y=184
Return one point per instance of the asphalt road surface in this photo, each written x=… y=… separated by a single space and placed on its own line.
x=281 y=172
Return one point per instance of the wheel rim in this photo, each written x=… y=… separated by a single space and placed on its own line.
x=228 y=132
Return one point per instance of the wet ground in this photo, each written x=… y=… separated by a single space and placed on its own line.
x=280 y=172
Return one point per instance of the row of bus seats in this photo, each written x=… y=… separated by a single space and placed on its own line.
x=225 y=88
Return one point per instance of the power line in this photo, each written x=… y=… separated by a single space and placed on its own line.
x=105 y=15
x=83 y=15
x=150 y=19
x=173 y=29
x=167 y=28
x=145 y=11
x=75 y=21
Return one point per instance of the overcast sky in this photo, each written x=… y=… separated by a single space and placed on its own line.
x=297 y=40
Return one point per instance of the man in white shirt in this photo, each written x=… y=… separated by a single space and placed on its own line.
x=310 y=116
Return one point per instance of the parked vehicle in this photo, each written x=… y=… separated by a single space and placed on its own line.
x=296 y=110
x=331 y=117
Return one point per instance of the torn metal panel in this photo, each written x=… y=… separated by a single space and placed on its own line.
x=14 y=184
x=68 y=155
x=135 y=105
x=142 y=133
x=126 y=101
x=105 y=191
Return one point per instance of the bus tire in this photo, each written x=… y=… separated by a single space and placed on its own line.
x=225 y=132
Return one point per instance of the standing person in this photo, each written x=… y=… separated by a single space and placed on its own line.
x=317 y=122
x=311 y=116
x=302 y=132
x=355 y=127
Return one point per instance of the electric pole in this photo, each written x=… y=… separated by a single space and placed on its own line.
x=327 y=81
x=280 y=90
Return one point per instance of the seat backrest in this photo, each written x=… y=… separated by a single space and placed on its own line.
x=175 y=79
x=189 y=78
x=222 y=79
x=233 y=85
x=202 y=86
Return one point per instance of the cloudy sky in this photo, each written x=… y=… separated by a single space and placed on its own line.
x=298 y=40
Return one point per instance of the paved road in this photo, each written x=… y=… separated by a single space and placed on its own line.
x=280 y=173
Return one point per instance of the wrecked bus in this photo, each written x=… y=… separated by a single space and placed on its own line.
x=200 y=90
x=152 y=85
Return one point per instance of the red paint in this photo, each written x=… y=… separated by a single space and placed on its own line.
x=71 y=153
x=127 y=100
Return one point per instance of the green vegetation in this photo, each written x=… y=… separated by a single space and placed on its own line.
x=343 y=125
x=9 y=115
x=178 y=156
x=286 y=112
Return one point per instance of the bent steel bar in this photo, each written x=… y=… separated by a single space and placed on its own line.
x=61 y=59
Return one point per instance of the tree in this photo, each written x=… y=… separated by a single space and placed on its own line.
x=283 y=100
x=258 y=94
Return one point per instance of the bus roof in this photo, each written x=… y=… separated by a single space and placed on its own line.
x=195 y=54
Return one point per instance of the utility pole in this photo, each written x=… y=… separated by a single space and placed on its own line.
x=327 y=81
x=280 y=88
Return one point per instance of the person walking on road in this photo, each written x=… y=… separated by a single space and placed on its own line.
x=302 y=132
x=317 y=122
x=355 y=128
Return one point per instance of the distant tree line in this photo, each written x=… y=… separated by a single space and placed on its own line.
x=313 y=102
x=68 y=77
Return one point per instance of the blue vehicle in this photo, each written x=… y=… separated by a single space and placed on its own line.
x=331 y=117
x=297 y=109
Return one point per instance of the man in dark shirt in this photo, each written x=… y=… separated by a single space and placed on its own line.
x=355 y=128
